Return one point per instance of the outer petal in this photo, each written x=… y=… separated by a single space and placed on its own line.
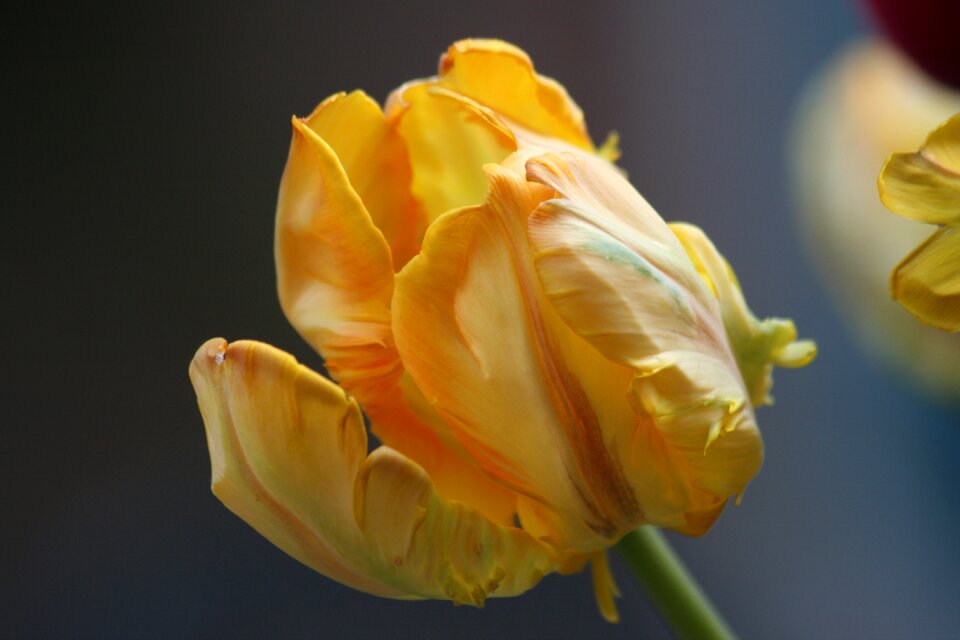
x=336 y=283
x=506 y=374
x=375 y=160
x=618 y=277
x=501 y=76
x=925 y=185
x=289 y=456
x=450 y=138
x=927 y=282
x=334 y=269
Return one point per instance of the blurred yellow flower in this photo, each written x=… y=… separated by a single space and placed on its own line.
x=867 y=101
x=925 y=186
x=548 y=364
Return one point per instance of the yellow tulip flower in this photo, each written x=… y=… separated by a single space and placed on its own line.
x=867 y=101
x=548 y=364
x=925 y=186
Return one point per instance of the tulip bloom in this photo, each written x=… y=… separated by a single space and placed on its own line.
x=548 y=364
x=925 y=186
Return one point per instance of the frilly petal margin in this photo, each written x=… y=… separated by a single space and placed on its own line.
x=376 y=161
x=289 y=456
x=925 y=186
x=501 y=76
x=927 y=282
x=758 y=345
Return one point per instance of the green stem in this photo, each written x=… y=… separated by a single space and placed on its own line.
x=677 y=596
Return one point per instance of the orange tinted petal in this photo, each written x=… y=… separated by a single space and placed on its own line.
x=335 y=285
x=468 y=318
x=289 y=456
x=334 y=270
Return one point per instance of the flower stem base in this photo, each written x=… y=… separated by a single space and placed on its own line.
x=674 y=592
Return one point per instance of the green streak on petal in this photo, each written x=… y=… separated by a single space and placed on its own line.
x=609 y=249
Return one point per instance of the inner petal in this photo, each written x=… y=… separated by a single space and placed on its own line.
x=449 y=138
x=375 y=159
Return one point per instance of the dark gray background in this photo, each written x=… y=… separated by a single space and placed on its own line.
x=147 y=146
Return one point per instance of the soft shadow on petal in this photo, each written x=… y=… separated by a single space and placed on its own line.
x=927 y=282
x=925 y=185
x=502 y=77
x=375 y=160
x=334 y=269
x=289 y=456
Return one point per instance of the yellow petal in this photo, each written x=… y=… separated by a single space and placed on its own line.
x=289 y=456
x=927 y=282
x=449 y=138
x=334 y=269
x=925 y=185
x=470 y=322
x=502 y=77
x=375 y=160
x=604 y=588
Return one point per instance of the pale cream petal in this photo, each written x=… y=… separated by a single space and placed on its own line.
x=927 y=282
x=289 y=456
x=925 y=185
x=375 y=159
x=486 y=349
x=620 y=278
x=502 y=77
x=334 y=269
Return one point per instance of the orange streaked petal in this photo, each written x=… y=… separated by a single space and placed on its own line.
x=469 y=321
x=927 y=282
x=335 y=285
x=289 y=456
x=502 y=77
x=449 y=138
x=925 y=185
x=403 y=420
x=374 y=157
x=334 y=269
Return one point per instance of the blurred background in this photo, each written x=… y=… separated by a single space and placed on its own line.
x=147 y=146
